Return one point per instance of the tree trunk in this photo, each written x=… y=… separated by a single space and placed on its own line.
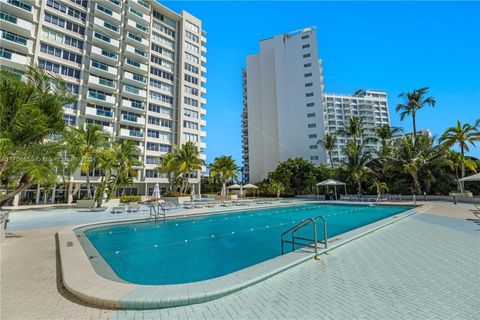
x=330 y=156
x=359 y=186
x=462 y=186
x=224 y=189
x=24 y=185
x=88 y=184
x=414 y=126
x=417 y=184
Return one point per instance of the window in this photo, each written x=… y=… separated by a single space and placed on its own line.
x=101 y=36
x=313 y=146
x=66 y=9
x=191 y=36
x=305 y=37
x=190 y=101
x=306 y=65
x=73 y=88
x=309 y=84
x=191 y=68
x=160 y=109
x=192 y=27
x=161 y=97
x=190 y=113
x=135 y=37
x=99 y=65
x=14 y=37
x=164 y=19
x=21 y=5
x=159 y=122
x=312 y=136
x=310 y=115
x=167 y=136
x=306 y=75
x=110 y=26
x=152 y=160
x=192 y=58
x=60 y=53
x=311 y=104
x=158 y=147
x=190 y=79
x=109 y=54
x=150 y=173
x=190 y=90
x=69 y=119
x=140 y=52
x=190 y=125
x=161 y=73
x=162 y=62
x=5 y=16
x=190 y=137
x=58 y=68
x=104 y=10
x=163 y=29
x=162 y=51
x=305 y=46
x=131 y=89
x=53 y=19
x=164 y=41
x=314 y=158
x=312 y=125
x=309 y=94
x=142 y=27
x=134 y=63
x=161 y=85
x=307 y=55
x=191 y=47
x=136 y=12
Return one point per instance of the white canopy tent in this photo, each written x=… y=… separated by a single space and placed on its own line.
x=334 y=183
x=236 y=187
x=475 y=177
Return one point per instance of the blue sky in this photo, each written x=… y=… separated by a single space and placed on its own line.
x=394 y=46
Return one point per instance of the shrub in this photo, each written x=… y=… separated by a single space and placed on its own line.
x=125 y=199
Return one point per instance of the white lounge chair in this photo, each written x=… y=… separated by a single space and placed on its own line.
x=119 y=209
x=133 y=207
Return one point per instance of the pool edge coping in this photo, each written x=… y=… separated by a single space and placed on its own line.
x=80 y=278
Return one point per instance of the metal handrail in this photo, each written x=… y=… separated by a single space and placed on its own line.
x=155 y=212
x=299 y=226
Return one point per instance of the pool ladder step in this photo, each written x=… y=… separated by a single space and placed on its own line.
x=157 y=211
x=305 y=242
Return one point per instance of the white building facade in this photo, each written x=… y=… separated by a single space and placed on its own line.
x=370 y=105
x=283 y=115
x=139 y=70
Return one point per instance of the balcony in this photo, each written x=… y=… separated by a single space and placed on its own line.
x=139 y=16
x=134 y=92
x=107 y=14
x=101 y=83
x=203 y=157
x=203 y=134
x=203 y=69
x=131 y=119
x=135 y=66
x=202 y=145
x=104 y=128
x=203 y=59
x=105 y=41
x=107 y=27
x=136 y=134
x=16 y=25
x=24 y=9
x=103 y=55
x=115 y=5
x=98 y=113
x=203 y=111
x=136 y=53
x=136 y=39
x=203 y=80
x=203 y=90
x=203 y=123
x=13 y=60
x=15 y=42
x=103 y=69
x=140 y=5
x=133 y=105
x=204 y=40
x=98 y=97
x=137 y=27
x=135 y=79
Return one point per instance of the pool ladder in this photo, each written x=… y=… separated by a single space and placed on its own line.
x=155 y=213
x=295 y=239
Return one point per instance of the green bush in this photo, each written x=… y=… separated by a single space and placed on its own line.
x=125 y=199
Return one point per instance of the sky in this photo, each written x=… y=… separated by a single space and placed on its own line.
x=393 y=46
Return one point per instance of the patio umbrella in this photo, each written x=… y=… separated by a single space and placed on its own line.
x=250 y=186
x=475 y=177
x=156 y=191
x=334 y=183
x=193 y=191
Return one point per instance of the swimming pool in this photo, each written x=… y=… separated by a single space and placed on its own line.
x=204 y=247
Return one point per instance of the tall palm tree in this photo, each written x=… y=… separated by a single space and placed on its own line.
x=125 y=154
x=454 y=161
x=187 y=160
x=414 y=101
x=31 y=110
x=84 y=147
x=463 y=135
x=223 y=169
x=329 y=140
x=354 y=128
x=358 y=159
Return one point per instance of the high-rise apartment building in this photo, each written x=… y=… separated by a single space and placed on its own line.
x=137 y=67
x=283 y=115
x=370 y=105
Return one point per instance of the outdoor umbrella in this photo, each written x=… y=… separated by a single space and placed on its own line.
x=156 y=191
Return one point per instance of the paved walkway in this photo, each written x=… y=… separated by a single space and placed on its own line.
x=426 y=266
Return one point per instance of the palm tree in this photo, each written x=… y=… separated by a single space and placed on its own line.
x=417 y=157
x=329 y=140
x=167 y=165
x=31 y=110
x=84 y=147
x=358 y=159
x=454 y=161
x=276 y=186
x=463 y=135
x=354 y=128
x=380 y=186
x=223 y=169
x=359 y=92
x=187 y=160
x=414 y=101
x=385 y=133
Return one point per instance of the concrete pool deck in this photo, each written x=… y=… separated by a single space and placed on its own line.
x=425 y=266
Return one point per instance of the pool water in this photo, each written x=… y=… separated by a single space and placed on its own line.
x=204 y=247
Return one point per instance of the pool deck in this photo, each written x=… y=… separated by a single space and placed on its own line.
x=426 y=266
